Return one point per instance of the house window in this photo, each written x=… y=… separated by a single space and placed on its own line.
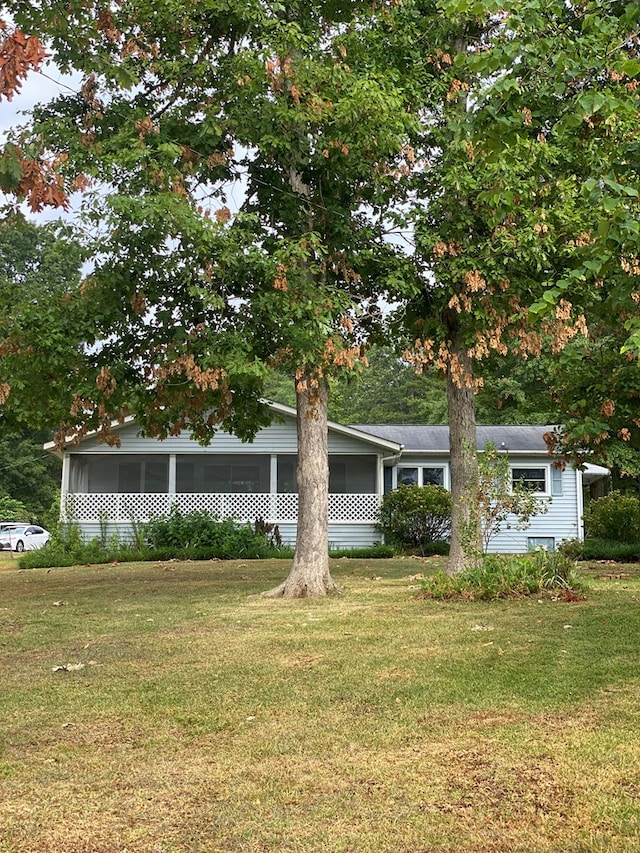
x=287 y=479
x=533 y=479
x=433 y=476
x=348 y=475
x=420 y=476
x=407 y=476
x=546 y=543
x=352 y=475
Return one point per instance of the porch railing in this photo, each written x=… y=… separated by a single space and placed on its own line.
x=275 y=508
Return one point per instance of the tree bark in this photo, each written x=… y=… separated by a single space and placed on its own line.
x=461 y=405
x=309 y=575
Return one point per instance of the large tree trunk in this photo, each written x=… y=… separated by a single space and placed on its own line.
x=309 y=575
x=465 y=523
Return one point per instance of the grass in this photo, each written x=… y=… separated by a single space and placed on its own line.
x=207 y=719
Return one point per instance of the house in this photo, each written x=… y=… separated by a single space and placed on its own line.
x=118 y=487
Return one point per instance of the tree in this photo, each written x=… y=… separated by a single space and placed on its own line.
x=499 y=501
x=191 y=303
x=29 y=476
x=596 y=383
x=22 y=174
x=43 y=325
x=388 y=391
x=39 y=273
x=526 y=220
x=11 y=509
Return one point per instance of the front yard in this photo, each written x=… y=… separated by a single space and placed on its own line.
x=165 y=707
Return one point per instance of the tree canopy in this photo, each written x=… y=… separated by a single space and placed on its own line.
x=503 y=141
x=526 y=204
x=192 y=302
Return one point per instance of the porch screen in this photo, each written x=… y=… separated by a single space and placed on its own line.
x=351 y=475
x=122 y=474
x=222 y=474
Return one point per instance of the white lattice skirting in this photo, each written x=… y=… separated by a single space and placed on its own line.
x=85 y=508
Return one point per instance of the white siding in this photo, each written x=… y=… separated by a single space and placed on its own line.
x=276 y=438
x=560 y=522
x=340 y=535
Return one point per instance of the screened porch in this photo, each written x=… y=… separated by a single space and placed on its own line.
x=247 y=486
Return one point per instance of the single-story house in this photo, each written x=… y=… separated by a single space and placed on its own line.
x=117 y=487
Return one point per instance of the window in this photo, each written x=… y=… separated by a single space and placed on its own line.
x=420 y=476
x=533 y=479
x=407 y=476
x=352 y=475
x=545 y=543
x=124 y=474
x=433 y=476
x=287 y=479
x=348 y=475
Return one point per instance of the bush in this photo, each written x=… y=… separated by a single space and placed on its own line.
x=11 y=509
x=225 y=538
x=192 y=536
x=415 y=516
x=373 y=552
x=613 y=518
x=597 y=549
x=541 y=573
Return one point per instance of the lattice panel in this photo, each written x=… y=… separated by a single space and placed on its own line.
x=90 y=507
x=244 y=507
x=114 y=507
x=353 y=507
x=286 y=508
x=142 y=507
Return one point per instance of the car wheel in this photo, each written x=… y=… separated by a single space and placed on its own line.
x=20 y=546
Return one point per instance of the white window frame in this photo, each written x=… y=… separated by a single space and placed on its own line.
x=537 y=467
x=421 y=466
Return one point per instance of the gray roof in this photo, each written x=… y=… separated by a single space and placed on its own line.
x=425 y=438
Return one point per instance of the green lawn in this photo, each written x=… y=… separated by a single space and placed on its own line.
x=205 y=718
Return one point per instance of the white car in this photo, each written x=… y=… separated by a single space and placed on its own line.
x=23 y=537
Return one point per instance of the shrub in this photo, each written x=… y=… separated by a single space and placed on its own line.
x=415 y=516
x=540 y=573
x=501 y=503
x=194 y=536
x=11 y=509
x=598 y=549
x=224 y=538
x=65 y=548
x=613 y=518
x=373 y=552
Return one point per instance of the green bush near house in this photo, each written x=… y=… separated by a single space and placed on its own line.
x=188 y=536
x=613 y=518
x=373 y=552
x=227 y=539
x=599 y=549
x=184 y=536
x=541 y=573
x=415 y=517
